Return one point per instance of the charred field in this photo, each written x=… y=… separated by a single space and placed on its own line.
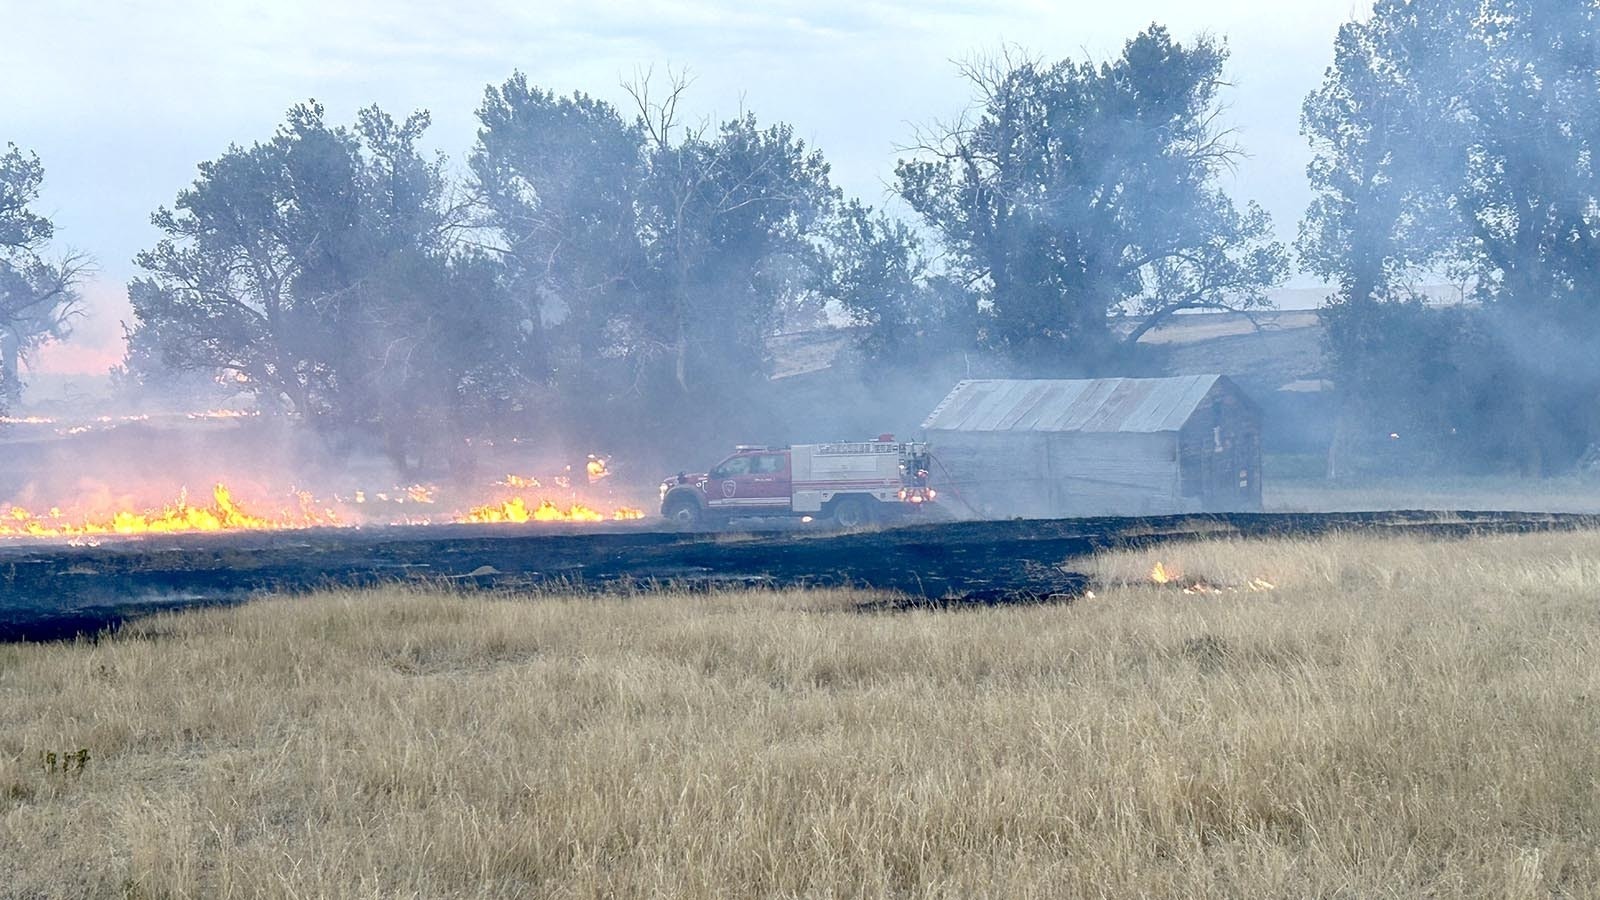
x=52 y=591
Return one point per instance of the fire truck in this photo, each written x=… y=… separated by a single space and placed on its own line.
x=851 y=483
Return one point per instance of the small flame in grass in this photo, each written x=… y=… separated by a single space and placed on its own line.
x=1196 y=587
x=596 y=468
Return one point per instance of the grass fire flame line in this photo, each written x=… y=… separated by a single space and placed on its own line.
x=224 y=513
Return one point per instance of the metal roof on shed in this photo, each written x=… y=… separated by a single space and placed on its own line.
x=1100 y=405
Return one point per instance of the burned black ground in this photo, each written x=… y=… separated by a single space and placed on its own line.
x=50 y=591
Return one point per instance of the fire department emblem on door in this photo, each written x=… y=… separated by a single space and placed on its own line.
x=729 y=487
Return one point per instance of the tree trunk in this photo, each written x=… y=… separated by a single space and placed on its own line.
x=1337 y=446
x=10 y=376
x=681 y=365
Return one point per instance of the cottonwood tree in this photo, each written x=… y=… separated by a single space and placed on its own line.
x=1378 y=168
x=1370 y=230
x=559 y=180
x=38 y=295
x=1076 y=194
x=651 y=256
x=1458 y=137
x=882 y=277
x=734 y=215
x=317 y=269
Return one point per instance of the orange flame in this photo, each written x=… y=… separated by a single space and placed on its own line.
x=1196 y=586
x=222 y=514
x=397 y=506
x=516 y=510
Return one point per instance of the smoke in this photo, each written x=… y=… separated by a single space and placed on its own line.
x=1454 y=142
x=610 y=282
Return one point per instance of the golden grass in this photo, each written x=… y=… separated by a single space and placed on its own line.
x=1400 y=718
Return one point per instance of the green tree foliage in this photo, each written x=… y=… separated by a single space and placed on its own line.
x=1458 y=137
x=38 y=295
x=734 y=216
x=559 y=180
x=1080 y=193
x=882 y=278
x=651 y=259
x=1378 y=166
x=317 y=269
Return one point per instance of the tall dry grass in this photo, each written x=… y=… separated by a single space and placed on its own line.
x=1400 y=718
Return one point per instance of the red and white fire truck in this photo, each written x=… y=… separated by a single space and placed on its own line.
x=852 y=483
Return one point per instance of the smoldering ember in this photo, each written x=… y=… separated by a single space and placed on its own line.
x=713 y=450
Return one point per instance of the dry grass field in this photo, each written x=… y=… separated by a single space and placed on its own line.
x=1398 y=718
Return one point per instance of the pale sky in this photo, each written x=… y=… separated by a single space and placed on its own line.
x=122 y=100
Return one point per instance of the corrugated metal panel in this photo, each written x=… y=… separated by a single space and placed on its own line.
x=1030 y=400
x=1097 y=406
x=1076 y=416
x=985 y=416
x=1057 y=395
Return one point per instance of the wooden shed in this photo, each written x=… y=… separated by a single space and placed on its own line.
x=1105 y=446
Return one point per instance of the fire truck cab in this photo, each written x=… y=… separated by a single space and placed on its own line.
x=852 y=483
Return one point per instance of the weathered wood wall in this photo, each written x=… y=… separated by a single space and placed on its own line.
x=1046 y=475
x=1212 y=464
x=1220 y=453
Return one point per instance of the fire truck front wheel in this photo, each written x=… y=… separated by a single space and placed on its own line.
x=854 y=512
x=683 y=512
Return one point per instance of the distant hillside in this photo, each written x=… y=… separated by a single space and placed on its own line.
x=1265 y=352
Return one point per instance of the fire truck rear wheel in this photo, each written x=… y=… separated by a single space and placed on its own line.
x=684 y=513
x=852 y=512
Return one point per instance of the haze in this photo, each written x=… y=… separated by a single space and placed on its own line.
x=123 y=100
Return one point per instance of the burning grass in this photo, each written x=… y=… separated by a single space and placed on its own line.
x=1398 y=717
x=415 y=504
